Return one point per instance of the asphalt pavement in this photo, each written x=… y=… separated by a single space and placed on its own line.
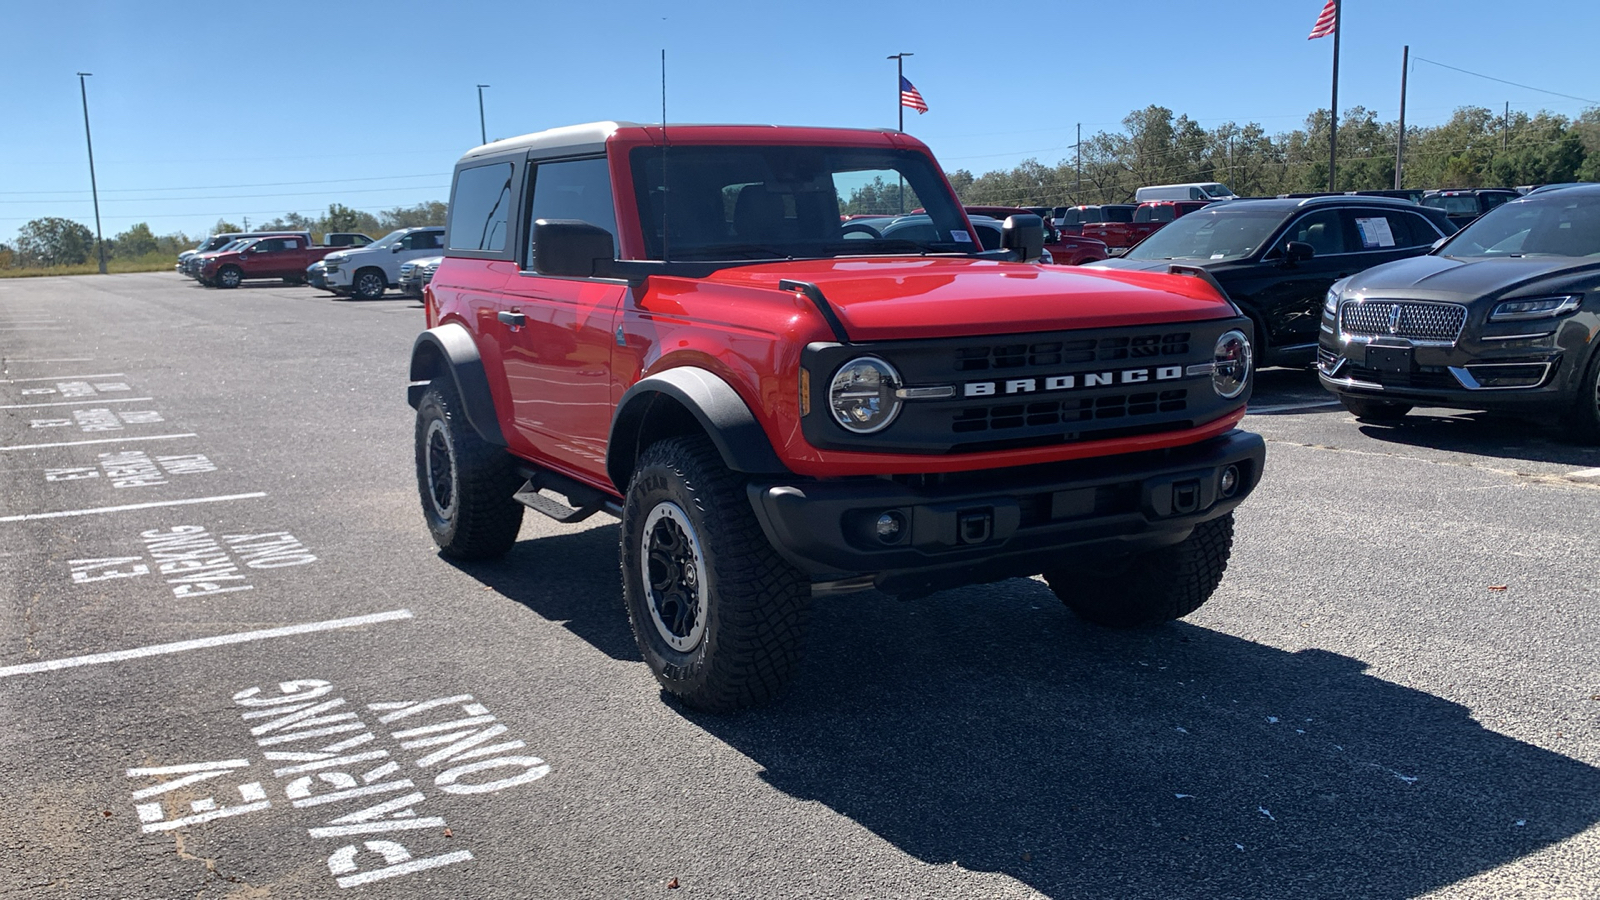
x=233 y=665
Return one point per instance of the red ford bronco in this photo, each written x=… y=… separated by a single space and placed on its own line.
x=669 y=325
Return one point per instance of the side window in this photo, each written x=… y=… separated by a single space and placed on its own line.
x=480 y=208
x=409 y=242
x=270 y=245
x=1323 y=230
x=572 y=189
x=1382 y=230
x=426 y=240
x=1142 y=214
x=1490 y=201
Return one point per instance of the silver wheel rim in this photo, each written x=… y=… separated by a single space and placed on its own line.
x=369 y=285
x=673 y=571
x=439 y=470
x=230 y=278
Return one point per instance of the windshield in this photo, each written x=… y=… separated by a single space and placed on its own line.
x=387 y=239
x=235 y=245
x=1546 y=225
x=1222 y=234
x=1465 y=205
x=781 y=202
x=1216 y=191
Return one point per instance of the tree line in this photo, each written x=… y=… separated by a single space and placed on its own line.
x=54 y=242
x=1477 y=147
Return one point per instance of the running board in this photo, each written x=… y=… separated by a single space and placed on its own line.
x=585 y=501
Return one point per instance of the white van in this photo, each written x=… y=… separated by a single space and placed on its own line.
x=1199 y=190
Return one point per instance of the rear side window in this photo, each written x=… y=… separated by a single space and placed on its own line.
x=1388 y=230
x=573 y=189
x=1322 y=229
x=1116 y=213
x=480 y=208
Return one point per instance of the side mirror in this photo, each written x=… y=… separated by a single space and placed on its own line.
x=1025 y=235
x=1298 y=251
x=571 y=247
x=1439 y=243
x=395 y=248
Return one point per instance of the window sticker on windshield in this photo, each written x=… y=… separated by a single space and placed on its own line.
x=1375 y=232
x=961 y=237
x=1218 y=255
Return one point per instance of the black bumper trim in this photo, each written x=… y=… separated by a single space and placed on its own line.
x=1004 y=523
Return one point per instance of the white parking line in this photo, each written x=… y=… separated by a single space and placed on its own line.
x=77 y=402
x=63 y=377
x=33 y=328
x=147 y=437
x=202 y=643
x=53 y=359
x=1584 y=475
x=1289 y=407
x=110 y=509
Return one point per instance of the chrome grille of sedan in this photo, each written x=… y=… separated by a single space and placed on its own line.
x=1412 y=321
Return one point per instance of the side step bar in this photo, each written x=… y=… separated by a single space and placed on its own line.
x=585 y=501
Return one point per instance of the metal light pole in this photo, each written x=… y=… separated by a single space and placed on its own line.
x=483 y=133
x=900 y=73
x=94 y=190
x=1400 y=148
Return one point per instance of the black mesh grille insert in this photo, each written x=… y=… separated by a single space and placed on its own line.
x=1001 y=416
x=1055 y=353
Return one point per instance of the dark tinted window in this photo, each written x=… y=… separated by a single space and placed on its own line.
x=1490 y=201
x=428 y=240
x=1116 y=214
x=1322 y=229
x=574 y=189
x=480 y=208
x=1384 y=230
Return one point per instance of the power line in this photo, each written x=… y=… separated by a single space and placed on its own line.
x=321 y=193
x=1526 y=87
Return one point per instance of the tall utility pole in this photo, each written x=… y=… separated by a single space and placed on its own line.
x=1505 y=130
x=1400 y=148
x=1077 y=162
x=483 y=133
x=94 y=189
x=1333 y=109
x=900 y=73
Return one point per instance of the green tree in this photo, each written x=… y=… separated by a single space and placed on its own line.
x=430 y=212
x=340 y=218
x=136 y=241
x=53 y=241
x=223 y=226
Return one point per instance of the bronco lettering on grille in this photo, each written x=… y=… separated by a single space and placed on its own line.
x=1079 y=381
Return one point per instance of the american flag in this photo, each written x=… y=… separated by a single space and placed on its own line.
x=910 y=97
x=1327 y=22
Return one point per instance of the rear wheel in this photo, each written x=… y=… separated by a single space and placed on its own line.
x=467 y=486
x=1151 y=587
x=719 y=616
x=229 y=277
x=1368 y=410
x=369 y=284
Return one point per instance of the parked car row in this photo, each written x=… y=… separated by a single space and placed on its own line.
x=349 y=264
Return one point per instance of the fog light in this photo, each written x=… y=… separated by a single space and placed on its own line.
x=1229 y=482
x=890 y=525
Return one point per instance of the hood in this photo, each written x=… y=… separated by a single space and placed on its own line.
x=1449 y=278
x=900 y=298
x=1122 y=263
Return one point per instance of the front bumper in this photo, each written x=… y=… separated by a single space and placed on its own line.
x=986 y=525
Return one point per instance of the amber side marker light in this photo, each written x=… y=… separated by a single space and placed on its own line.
x=805 y=393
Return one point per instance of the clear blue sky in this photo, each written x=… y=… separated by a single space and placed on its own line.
x=203 y=111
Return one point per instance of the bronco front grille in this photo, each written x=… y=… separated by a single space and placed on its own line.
x=1412 y=321
x=1060 y=352
x=1003 y=416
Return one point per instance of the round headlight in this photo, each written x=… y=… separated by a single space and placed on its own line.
x=1230 y=373
x=862 y=395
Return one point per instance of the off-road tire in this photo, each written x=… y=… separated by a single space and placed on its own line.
x=751 y=606
x=368 y=284
x=466 y=485
x=228 y=277
x=1151 y=587
x=1374 y=410
x=1582 y=419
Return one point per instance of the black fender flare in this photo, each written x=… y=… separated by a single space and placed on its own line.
x=449 y=351
x=715 y=405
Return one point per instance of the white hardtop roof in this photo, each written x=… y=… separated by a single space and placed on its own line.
x=591 y=137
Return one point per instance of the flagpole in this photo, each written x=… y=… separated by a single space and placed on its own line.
x=900 y=105
x=1333 y=109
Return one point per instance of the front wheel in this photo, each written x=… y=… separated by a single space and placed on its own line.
x=369 y=284
x=230 y=277
x=719 y=616
x=1582 y=420
x=1151 y=587
x=1375 y=410
x=467 y=486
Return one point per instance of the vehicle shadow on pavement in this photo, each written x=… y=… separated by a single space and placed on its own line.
x=988 y=729
x=1483 y=434
x=567 y=578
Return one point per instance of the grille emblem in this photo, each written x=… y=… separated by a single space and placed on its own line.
x=1394 y=319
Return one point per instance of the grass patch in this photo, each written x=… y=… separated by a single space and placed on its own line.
x=150 y=262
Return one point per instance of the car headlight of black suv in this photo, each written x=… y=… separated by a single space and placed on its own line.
x=1535 y=308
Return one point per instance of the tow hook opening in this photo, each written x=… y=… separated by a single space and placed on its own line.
x=975 y=526
x=1186 y=496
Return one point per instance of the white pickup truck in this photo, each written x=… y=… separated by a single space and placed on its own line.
x=366 y=272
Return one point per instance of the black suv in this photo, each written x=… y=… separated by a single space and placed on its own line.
x=1503 y=317
x=1277 y=258
x=1465 y=205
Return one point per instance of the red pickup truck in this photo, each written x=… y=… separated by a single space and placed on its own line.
x=1147 y=219
x=778 y=409
x=284 y=256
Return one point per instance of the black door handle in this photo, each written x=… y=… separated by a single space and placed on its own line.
x=514 y=319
